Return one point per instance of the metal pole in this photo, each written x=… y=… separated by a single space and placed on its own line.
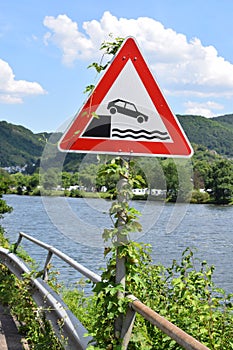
x=45 y=270
x=127 y=327
x=18 y=242
x=121 y=239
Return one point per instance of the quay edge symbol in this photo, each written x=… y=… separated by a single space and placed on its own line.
x=126 y=113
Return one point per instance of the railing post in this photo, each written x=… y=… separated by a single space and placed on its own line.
x=45 y=269
x=17 y=243
x=127 y=327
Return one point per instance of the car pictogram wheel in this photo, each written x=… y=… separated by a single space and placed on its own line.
x=140 y=119
x=113 y=110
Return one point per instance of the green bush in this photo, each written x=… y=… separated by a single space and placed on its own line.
x=183 y=293
x=199 y=197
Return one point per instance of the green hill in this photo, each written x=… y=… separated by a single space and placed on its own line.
x=227 y=120
x=216 y=133
x=20 y=146
x=21 y=149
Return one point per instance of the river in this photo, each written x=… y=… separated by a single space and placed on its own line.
x=74 y=226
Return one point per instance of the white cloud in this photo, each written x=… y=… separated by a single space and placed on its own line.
x=206 y=109
x=73 y=44
x=182 y=66
x=12 y=91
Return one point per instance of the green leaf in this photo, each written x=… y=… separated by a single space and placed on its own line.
x=89 y=88
x=95 y=115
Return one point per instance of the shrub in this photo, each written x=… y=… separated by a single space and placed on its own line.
x=199 y=197
x=183 y=293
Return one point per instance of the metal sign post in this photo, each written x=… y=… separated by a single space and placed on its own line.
x=121 y=239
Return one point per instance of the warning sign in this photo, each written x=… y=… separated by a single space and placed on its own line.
x=127 y=113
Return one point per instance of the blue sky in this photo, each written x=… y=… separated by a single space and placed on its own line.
x=46 y=46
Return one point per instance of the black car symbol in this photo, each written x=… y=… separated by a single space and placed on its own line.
x=127 y=108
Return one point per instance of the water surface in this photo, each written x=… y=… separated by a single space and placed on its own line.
x=207 y=229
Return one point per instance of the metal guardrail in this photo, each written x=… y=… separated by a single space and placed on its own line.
x=51 y=250
x=73 y=328
x=66 y=326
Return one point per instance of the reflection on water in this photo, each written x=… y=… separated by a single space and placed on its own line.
x=208 y=229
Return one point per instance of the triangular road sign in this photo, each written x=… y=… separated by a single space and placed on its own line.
x=126 y=114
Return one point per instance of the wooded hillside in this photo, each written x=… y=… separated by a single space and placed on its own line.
x=216 y=133
x=20 y=146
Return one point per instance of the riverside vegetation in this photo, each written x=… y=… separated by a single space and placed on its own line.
x=211 y=179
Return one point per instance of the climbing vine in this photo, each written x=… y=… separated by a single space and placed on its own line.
x=109 y=48
x=125 y=220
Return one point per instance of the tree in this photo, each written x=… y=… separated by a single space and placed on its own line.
x=88 y=175
x=66 y=179
x=33 y=182
x=150 y=174
x=171 y=175
x=178 y=176
x=50 y=179
x=21 y=182
x=5 y=181
x=201 y=170
x=220 y=181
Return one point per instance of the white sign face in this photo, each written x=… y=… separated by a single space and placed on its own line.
x=132 y=114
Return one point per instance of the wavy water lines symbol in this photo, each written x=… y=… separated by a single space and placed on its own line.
x=137 y=134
